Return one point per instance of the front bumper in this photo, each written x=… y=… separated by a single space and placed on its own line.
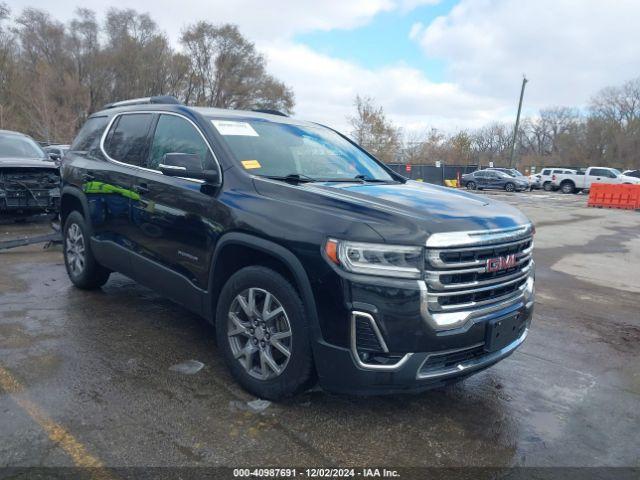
x=340 y=370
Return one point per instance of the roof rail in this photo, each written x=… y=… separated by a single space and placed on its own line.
x=269 y=111
x=162 y=99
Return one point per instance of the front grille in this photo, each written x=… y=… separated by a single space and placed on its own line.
x=458 y=278
x=24 y=198
x=18 y=179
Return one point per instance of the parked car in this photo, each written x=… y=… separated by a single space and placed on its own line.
x=509 y=171
x=546 y=175
x=312 y=258
x=632 y=173
x=56 y=152
x=574 y=183
x=513 y=173
x=29 y=181
x=535 y=181
x=493 y=179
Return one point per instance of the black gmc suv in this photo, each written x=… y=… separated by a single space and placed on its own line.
x=312 y=259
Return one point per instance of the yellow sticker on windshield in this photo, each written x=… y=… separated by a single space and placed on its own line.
x=251 y=164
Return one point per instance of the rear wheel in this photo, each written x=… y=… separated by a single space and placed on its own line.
x=263 y=334
x=567 y=187
x=83 y=269
x=471 y=185
x=510 y=187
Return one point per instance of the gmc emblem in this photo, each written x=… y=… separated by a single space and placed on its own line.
x=500 y=263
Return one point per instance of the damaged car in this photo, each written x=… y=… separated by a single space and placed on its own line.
x=29 y=180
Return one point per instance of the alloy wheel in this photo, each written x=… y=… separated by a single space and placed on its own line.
x=471 y=186
x=259 y=333
x=509 y=187
x=75 y=249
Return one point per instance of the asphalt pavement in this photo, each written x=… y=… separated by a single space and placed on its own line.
x=98 y=378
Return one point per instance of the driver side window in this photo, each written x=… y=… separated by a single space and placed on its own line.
x=176 y=135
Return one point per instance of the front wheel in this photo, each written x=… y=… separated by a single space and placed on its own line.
x=567 y=187
x=547 y=187
x=83 y=269
x=263 y=334
x=510 y=187
x=471 y=185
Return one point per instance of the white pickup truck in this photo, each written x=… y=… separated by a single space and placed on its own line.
x=575 y=182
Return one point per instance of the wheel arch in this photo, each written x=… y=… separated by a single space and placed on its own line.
x=236 y=250
x=73 y=198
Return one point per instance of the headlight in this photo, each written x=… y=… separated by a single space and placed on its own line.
x=375 y=259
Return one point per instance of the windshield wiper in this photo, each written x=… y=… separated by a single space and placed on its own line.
x=292 y=177
x=364 y=178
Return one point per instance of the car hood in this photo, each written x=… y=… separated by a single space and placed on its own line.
x=404 y=212
x=17 y=162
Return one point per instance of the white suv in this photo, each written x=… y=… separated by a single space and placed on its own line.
x=546 y=174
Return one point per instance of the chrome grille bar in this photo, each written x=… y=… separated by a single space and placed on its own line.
x=459 y=282
x=433 y=278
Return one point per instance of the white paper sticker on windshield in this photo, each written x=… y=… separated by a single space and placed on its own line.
x=229 y=127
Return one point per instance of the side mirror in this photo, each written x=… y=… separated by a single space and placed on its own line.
x=54 y=156
x=187 y=165
x=181 y=165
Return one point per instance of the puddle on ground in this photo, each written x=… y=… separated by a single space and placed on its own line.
x=190 y=367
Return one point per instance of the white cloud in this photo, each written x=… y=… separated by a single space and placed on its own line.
x=568 y=49
x=325 y=89
x=257 y=19
x=416 y=30
x=408 y=5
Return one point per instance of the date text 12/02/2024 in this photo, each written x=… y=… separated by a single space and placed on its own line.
x=315 y=473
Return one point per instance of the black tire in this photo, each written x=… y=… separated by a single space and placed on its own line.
x=510 y=187
x=298 y=373
x=90 y=274
x=547 y=187
x=471 y=185
x=567 y=187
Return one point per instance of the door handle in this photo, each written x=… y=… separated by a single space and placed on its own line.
x=87 y=177
x=141 y=188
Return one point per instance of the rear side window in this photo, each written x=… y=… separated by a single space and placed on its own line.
x=127 y=140
x=89 y=136
x=598 y=172
x=176 y=135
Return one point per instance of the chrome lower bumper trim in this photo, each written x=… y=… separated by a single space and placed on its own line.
x=354 y=346
x=470 y=365
x=447 y=320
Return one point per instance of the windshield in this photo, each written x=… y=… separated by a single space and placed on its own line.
x=311 y=153
x=16 y=146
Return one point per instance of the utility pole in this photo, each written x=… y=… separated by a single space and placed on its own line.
x=1 y=116
x=515 y=130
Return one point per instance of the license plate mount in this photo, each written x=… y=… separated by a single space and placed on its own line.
x=503 y=331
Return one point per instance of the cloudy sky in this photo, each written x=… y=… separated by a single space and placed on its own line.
x=430 y=63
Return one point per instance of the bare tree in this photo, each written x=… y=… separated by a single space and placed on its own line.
x=373 y=131
x=227 y=71
x=52 y=75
